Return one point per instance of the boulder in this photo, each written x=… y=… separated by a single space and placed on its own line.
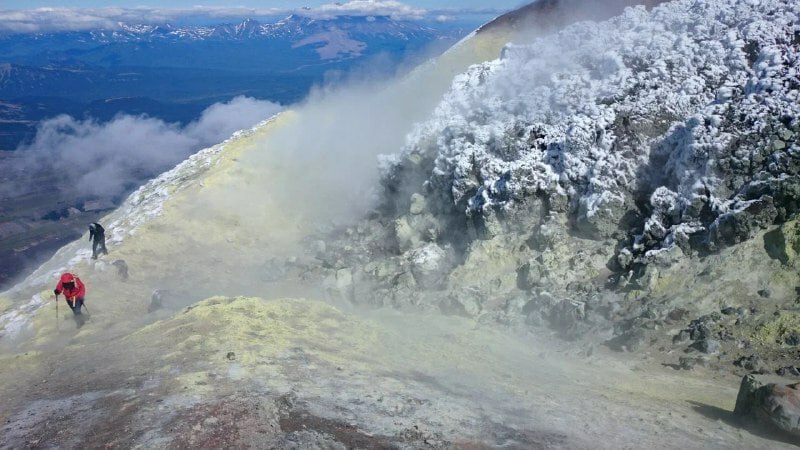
x=707 y=345
x=122 y=269
x=681 y=337
x=412 y=231
x=599 y=217
x=157 y=300
x=534 y=318
x=690 y=362
x=701 y=328
x=699 y=332
x=344 y=279
x=742 y=223
x=169 y=299
x=529 y=275
x=466 y=302
x=678 y=314
x=407 y=238
x=418 y=204
x=629 y=341
x=792 y=338
x=403 y=291
x=753 y=363
x=429 y=265
x=769 y=401
x=515 y=305
x=567 y=314
x=783 y=243
x=788 y=371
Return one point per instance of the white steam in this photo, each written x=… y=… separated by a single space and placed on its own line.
x=327 y=149
x=107 y=159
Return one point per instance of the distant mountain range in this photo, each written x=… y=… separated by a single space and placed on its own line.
x=173 y=72
x=292 y=27
x=295 y=39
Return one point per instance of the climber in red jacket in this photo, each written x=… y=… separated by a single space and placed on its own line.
x=73 y=290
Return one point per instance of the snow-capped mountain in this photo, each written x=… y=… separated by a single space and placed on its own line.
x=296 y=44
x=291 y=27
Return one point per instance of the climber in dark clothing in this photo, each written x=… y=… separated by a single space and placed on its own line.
x=97 y=234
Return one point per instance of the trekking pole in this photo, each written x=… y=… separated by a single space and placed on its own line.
x=86 y=308
x=57 y=325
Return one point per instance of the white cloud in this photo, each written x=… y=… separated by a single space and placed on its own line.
x=106 y=159
x=391 y=8
x=43 y=19
x=108 y=18
x=81 y=19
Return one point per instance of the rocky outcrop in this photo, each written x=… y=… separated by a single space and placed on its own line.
x=638 y=198
x=649 y=172
x=771 y=403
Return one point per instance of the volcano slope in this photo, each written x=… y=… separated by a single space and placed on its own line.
x=292 y=373
x=287 y=373
x=244 y=317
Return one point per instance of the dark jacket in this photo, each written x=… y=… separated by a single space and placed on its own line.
x=96 y=231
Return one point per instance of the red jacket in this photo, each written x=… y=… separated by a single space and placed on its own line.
x=78 y=290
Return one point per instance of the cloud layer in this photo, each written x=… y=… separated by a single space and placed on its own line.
x=109 y=18
x=366 y=8
x=107 y=159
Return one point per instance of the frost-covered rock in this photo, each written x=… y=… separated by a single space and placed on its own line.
x=429 y=265
x=741 y=223
x=610 y=154
x=604 y=178
x=667 y=121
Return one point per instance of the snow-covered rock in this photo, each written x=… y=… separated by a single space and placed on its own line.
x=679 y=123
x=599 y=178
